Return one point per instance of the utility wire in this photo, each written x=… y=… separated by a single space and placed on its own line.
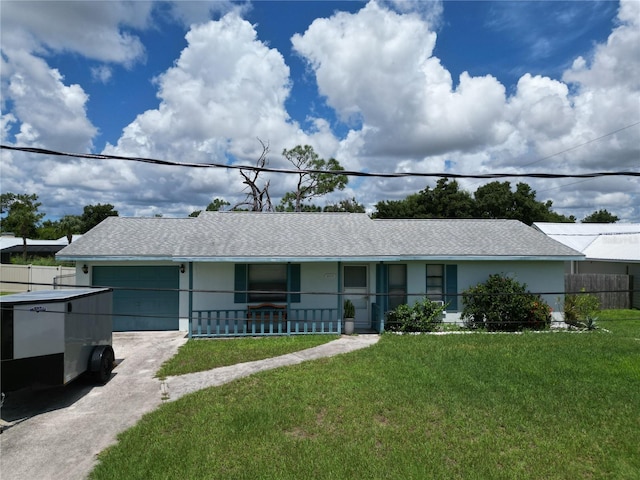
x=350 y=173
x=580 y=145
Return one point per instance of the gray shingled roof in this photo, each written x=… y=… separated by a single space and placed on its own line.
x=215 y=236
x=130 y=237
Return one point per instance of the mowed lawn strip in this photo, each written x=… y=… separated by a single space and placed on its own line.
x=198 y=355
x=533 y=405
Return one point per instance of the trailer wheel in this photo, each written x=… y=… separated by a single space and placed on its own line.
x=101 y=363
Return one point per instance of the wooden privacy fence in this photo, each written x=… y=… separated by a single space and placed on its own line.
x=613 y=290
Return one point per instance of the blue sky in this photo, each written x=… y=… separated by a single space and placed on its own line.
x=466 y=87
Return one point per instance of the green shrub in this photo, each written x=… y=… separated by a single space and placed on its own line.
x=580 y=310
x=503 y=304
x=422 y=316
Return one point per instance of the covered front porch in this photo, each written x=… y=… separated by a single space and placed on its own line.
x=256 y=299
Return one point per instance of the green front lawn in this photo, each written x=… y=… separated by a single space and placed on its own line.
x=532 y=405
x=204 y=354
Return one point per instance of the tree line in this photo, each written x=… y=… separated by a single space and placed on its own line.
x=24 y=219
x=316 y=177
x=492 y=200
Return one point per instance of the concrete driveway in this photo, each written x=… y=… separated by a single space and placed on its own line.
x=56 y=433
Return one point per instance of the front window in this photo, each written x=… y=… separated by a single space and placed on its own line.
x=435 y=282
x=397 y=278
x=267 y=283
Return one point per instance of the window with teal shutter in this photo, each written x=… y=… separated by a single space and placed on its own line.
x=396 y=285
x=240 y=284
x=294 y=280
x=451 y=287
x=256 y=283
x=435 y=282
x=442 y=284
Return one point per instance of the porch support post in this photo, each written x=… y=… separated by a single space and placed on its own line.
x=190 y=298
x=339 y=301
x=382 y=285
x=289 y=287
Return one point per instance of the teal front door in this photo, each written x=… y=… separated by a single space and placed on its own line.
x=144 y=298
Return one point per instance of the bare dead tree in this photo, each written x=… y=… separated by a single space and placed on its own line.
x=258 y=199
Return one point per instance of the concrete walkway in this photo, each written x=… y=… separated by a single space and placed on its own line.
x=175 y=387
x=57 y=433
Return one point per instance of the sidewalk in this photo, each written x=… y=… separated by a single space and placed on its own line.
x=175 y=387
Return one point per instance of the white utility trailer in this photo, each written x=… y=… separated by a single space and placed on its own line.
x=51 y=337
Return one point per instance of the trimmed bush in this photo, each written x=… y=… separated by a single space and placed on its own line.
x=503 y=304
x=422 y=316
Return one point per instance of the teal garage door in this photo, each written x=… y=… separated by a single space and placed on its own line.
x=144 y=298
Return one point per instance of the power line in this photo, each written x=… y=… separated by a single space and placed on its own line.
x=581 y=144
x=350 y=173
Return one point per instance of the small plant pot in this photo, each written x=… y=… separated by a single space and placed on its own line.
x=348 y=326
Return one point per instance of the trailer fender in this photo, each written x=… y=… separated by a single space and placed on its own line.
x=101 y=363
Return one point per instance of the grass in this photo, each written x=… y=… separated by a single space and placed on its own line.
x=205 y=354
x=532 y=405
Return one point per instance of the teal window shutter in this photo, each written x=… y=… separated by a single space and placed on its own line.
x=240 y=284
x=294 y=275
x=451 y=279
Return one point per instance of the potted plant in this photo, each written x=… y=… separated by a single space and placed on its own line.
x=348 y=314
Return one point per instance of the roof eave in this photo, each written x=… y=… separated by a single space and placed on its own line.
x=371 y=259
x=114 y=258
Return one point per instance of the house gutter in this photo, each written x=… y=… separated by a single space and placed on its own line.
x=115 y=258
x=276 y=259
x=395 y=258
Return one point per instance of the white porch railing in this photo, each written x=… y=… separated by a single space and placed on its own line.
x=276 y=321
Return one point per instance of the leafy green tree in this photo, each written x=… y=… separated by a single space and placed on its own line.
x=22 y=217
x=410 y=207
x=497 y=200
x=600 y=216
x=66 y=226
x=289 y=207
x=314 y=183
x=348 y=205
x=6 y=199
x=528 y=210
x=494 y=200
x=48 y=230
x=215 y=206
x=446 y=200
x=92 y=215
x=70 y=225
